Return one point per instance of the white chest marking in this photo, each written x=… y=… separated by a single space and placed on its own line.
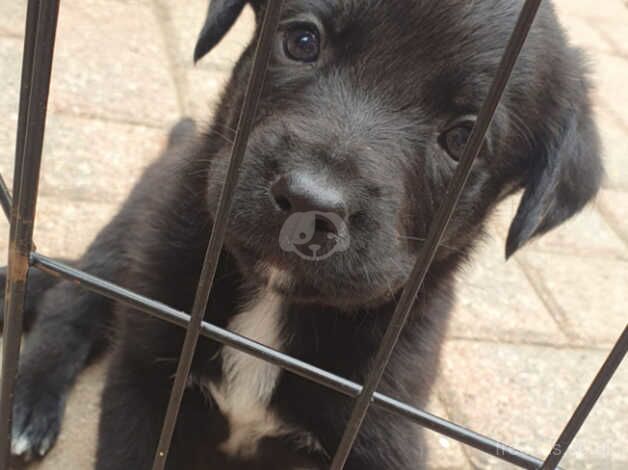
x=248 y=383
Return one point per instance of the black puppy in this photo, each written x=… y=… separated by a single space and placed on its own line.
x=366 y=109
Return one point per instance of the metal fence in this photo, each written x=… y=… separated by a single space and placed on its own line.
x=39 y=41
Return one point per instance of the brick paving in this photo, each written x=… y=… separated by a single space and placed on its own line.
x=527 y=335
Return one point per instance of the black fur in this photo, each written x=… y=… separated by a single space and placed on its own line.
x=365 y=119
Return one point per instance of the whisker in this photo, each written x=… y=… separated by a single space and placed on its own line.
x=403 y=237
x=220 y=134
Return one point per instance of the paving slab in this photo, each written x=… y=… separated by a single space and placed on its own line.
x=10 y=66
x=614 y=36
x=95 y=160
x=614 y=205
x=83 y=158
x=609 y=78
x=110 y=63
x=12 y=18
x=63 y=228
x=495 y=301
x=523 y=395
x=589 y=294
x=443 y=453
x=13 y=15
x=66 y=228
x=614 y=136
x=204 y=89
x=585 y=35
x=613 y=12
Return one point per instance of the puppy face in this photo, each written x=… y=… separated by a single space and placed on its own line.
x=366 y=110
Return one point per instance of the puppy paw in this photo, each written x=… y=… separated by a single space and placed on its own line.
x=37 y=415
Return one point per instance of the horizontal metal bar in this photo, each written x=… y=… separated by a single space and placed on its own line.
x=589 y=400
x=300 y=368
x=436 y=231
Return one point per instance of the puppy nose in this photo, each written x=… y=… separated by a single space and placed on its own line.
x=304 y=193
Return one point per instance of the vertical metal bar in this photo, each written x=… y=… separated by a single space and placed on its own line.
x=40 y=35
x=5 y=198
x=245 y=125
x=589 y=400
x=437 y=229
x=32 y=15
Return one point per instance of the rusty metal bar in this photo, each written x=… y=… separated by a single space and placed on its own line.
x=436 y=232
x=589 y=400
x=41 y=26
x=293 y=365
x=245 y=125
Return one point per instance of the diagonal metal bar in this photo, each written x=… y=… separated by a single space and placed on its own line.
x=295 y=366
x=5 y=198
x=245 y=125
x=589 y=400
x=41 y=26
x=437 y=229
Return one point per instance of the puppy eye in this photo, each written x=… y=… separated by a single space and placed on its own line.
x=301 y=43
x=455 y=139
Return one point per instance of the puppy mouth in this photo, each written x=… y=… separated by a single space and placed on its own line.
x=323 y=281
x=276 y=271
x=314 y=236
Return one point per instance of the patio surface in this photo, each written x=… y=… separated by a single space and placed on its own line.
x=527 y=336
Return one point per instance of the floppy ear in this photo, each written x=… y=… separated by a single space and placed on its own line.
x=561 y=182
x=221 y=15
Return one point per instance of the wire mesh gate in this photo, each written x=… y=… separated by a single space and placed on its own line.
x=39 y=40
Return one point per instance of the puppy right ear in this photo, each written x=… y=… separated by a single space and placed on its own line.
x=221 y=16
x=564 y=177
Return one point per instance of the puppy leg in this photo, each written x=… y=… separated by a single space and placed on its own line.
x=71 y=328
x=132 y=408
x=72 y=323
x=134 y=405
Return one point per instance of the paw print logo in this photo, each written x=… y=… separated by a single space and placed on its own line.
x=313 y=235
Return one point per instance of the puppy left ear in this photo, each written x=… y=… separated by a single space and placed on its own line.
x=561 y=182
x=221 y=16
